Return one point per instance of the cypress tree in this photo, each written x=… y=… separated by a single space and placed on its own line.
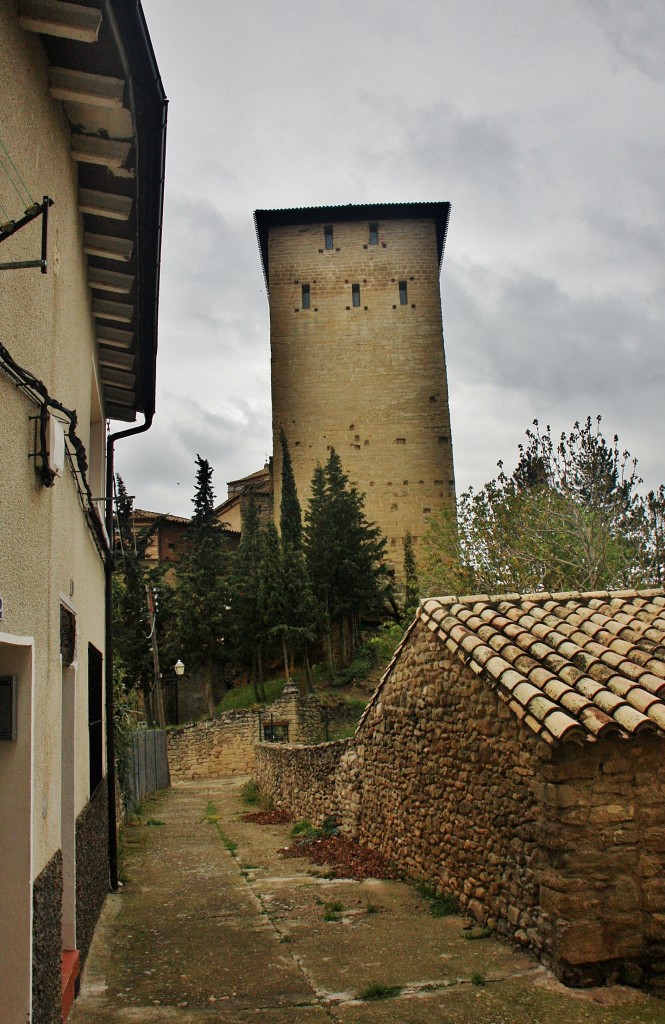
x=203 y=594
x=411 y=587
x=290 y=518
x=246 y=598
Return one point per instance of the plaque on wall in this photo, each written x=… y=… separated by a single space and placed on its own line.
x=8 y=698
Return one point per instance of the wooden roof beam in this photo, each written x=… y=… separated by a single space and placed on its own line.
x=104 y=204
x=92 y=149
x=72 y=86
x=110 y=281
x=108 y=247
x=68 y=21
x=116 y=359
x=121 y=312
x=114 y=337
x=118 y=378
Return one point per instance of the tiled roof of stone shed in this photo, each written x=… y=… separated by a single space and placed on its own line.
x=570 y=666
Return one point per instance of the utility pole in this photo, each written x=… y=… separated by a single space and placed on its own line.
x=158 y=696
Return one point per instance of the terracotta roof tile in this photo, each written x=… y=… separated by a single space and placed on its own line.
x=571 y=666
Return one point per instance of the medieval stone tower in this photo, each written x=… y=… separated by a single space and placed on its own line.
x=357 y=354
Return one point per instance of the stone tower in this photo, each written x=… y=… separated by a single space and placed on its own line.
x=357 y=354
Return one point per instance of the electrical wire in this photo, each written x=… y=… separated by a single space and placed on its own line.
x=31 y=201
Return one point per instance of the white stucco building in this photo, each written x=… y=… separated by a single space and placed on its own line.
x=84 y=121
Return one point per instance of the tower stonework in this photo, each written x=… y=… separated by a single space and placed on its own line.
x=357 y=356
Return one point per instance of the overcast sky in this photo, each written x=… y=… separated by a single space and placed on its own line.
x=541 y=121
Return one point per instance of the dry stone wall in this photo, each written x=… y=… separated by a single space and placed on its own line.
x=560 y=848
x=226 y=745
x=303 y=778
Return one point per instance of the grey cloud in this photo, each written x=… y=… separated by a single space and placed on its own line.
x=636 y=30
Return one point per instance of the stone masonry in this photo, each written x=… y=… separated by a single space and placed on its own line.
x=357 y=355
x=455 y=774
x=226 y=745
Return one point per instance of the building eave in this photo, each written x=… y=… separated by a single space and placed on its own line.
x=264 y=220
x=103 y=70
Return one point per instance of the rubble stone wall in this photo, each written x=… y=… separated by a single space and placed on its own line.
x=601 y=867
x=302 y=778
x=226 y=745
x=563 y=849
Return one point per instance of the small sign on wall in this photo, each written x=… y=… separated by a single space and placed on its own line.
x=8 y=703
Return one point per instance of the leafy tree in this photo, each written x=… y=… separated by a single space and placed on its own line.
x=345 y=556
x=570 y=516
x=204 y=586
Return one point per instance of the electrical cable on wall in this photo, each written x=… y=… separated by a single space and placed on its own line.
x=76 y=453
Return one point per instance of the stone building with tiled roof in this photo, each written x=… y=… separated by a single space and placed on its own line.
x=512 y=756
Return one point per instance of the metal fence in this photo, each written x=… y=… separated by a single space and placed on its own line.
x=149 y=765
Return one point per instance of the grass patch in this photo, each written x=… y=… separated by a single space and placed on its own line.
x=243 y=696
x=378 y=991
x=154 y=821
x=301 y=828
x=440 y=904
x=251 y=793
x=333 y=910
x=477 y=933
x=477 y=978
x=211 y=817
x=372 y=908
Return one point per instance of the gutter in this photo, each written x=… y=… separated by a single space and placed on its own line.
x=149 y=105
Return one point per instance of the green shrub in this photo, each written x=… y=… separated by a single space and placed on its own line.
x=379 y=991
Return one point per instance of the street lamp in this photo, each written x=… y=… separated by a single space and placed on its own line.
x=178 y=672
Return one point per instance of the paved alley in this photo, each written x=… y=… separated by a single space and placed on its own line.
x=212 y=926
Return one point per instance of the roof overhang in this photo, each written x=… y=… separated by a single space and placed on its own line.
x=103 y=70
x=267 y=219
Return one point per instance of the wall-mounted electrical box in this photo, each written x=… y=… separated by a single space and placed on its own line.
x=55 y=442
x=8 y=707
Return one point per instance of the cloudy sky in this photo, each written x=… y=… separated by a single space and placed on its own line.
x=541 y=121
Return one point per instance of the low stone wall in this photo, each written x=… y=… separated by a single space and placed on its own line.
x=303 y=778
x=214 y=748
x=226 y=745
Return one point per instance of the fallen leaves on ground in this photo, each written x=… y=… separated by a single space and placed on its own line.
x=346 y=858
x=268 y=817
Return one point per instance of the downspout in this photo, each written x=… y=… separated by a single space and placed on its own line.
x=108 y=632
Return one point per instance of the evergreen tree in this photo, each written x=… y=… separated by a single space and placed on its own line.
x=247 y=611
x=131 y=579
x=290 y=517
x=345 y=555
x=411 y=588
x=203 y=594
x=295 y=625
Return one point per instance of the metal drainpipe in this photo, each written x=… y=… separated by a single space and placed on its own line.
x=108 y=612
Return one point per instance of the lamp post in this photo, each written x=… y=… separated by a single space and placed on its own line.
x=178 y=672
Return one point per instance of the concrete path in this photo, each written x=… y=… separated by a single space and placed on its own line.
x=213 y=927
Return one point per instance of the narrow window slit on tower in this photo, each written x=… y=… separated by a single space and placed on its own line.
x=374 y=234
x=328 y=233
x=305 y=296
x=355 y=292
x=403 y=297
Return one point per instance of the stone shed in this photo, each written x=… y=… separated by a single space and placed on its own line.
x=512 y=755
